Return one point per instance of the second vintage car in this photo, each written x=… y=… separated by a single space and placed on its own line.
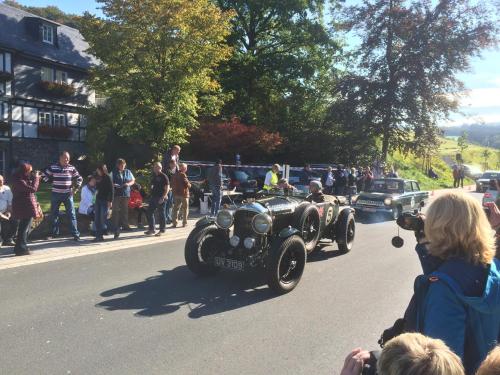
x=275 y=232
x=391 y=197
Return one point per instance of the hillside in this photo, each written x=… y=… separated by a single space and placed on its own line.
x=411 y=167
x=485 y=135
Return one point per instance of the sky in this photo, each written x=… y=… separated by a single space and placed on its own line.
x=480 y=105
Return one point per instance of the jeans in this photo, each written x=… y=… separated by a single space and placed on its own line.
x=216 y=199
x=8 y=229
x=100 y=217
x=168 y=207
x=24 y=226
x=55 y=202
x=153 y=206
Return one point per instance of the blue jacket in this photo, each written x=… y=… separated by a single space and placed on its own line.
x=462 y=308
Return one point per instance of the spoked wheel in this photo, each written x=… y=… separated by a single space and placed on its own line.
x=202 y=245
x=346 y=232
x=285 y=264
x=307 y=222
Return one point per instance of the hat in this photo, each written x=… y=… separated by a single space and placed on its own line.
x=316 y=184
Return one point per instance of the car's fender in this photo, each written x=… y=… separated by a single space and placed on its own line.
x=204 y=221
x=287 y=232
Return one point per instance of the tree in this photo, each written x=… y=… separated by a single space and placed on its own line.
x=462 y=142
x=226 y=139
x=157 y=67
x=50 y=12
x=405 y=76
x=486 y=154
x=281 y=70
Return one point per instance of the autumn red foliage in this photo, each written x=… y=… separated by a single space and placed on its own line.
x=225 y=139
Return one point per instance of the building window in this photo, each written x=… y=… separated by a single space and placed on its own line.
x=48 y=34
x=59 y=119
x=5 y=62
x=45 y=119
x=61 y=77
x=47 y=74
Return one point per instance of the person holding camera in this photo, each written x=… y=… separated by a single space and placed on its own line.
x=457 y=299
x=407 y=354
x=24 y=205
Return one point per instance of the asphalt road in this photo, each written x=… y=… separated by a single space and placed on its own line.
x=140 y=311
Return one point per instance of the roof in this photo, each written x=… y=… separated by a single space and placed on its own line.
x=71 y=45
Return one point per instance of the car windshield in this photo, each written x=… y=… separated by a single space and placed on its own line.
x=386 y=186
x=491 y=175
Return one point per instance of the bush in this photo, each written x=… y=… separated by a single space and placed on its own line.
x=225 y=139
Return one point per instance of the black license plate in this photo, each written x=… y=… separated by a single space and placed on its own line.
x=230 y=264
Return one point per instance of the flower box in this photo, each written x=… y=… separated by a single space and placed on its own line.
x=57 y=89
x=4 y=126
x=55 y=131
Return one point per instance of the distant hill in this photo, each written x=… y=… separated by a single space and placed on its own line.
x=485 y=135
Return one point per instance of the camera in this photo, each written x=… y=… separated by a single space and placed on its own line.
x=370 y=367
x=409 y=221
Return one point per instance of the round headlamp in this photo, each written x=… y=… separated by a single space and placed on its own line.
x=249 y=243
x=354 y=198
x=234 y=241
x=262 y=223
x=387 y=201
x=224 y=219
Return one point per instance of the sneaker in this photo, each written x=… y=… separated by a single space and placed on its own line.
x=149 y=232
x=184 y=225
x=159 y=233
x=98 y=239
x=27 y=252
x=174 y=225
x=116 y=235
x=76 y=238
x=9 y=243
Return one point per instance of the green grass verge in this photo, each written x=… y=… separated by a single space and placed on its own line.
x=473 y=154
x=43 y=197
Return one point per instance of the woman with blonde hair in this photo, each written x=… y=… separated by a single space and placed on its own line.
x=491 y=365
x=461 y=300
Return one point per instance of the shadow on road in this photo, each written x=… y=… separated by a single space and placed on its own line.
x=325 y=251
x=167 y=292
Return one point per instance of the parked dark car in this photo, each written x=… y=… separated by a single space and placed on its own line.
x=276 y=232
x=390 y=196
x=483 y=182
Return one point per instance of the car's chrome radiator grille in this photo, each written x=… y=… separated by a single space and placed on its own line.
x=243 y=223
x=367 y=202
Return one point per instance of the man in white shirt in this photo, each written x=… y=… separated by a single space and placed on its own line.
x=5 y=214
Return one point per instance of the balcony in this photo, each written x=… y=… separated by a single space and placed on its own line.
x=57 y=89
x=6 y=76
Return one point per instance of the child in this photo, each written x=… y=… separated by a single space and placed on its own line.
x=135 y=203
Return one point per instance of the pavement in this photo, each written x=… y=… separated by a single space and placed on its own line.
x=141 y=311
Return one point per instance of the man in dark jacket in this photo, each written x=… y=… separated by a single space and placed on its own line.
x=316 y=196
x=159 y=191
x=215 y=182
x=306 y=175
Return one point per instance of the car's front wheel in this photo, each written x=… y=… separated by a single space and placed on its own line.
x=202 y=245
x=285 y=264
x=346 y=231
